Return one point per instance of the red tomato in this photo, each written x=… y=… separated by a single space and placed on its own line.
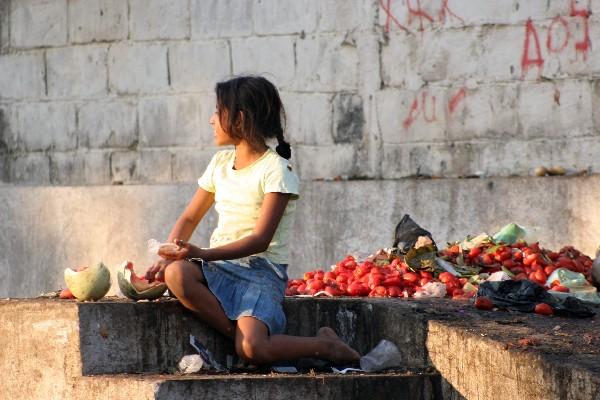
x=487 y=259
x=560 y=288
x=508 y=263
x=357 y=289
x=426 y=274
x=342 y=278
x=66 y=294
x=516 y=270
x=334 y=291
x=483 y=303
x=392 y=281
x=350 y=264
x=381 y=290
x=540 y=276
x=520 y=276
x=549 y=269
x=445 y=277
x=394 y=291
x=457 y=292
x=302 y=288
x=530 y=259
x=517 y=255
x=424 y=281
x=315 y=284
x=474 y=252
x=329 y=277
x=455 y=249
x=543 y=309
x=410 y=277
x=309 y=275
x=291 y=291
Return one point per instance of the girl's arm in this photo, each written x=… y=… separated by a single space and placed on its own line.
x=192 y=215
x=271 y=212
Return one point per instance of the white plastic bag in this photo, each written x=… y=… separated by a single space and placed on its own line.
x=432 y=289
x=576 y=283
x=384 y=355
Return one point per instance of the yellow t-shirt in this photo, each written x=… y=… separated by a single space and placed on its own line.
x=239 y=196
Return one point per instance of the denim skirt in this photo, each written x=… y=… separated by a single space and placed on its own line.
x=251 y=287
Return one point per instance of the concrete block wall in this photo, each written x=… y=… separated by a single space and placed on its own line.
x=114 y=91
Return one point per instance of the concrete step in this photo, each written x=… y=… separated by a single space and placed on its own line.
x=409 y=386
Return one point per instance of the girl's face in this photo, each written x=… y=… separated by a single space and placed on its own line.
x=222 y=138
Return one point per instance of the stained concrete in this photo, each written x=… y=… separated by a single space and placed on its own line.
x=82 y=350
x=47 y=229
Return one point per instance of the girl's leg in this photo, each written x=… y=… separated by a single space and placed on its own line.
x=186 y=281
x=253 y=343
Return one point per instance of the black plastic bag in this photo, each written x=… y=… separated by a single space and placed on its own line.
x=524 y=295
x=407 y=233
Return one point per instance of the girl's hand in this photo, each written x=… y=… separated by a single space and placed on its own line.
x=157 y=270
x=179 y=250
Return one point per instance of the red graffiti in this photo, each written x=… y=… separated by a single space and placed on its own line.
x=445 y=9
x=526 y=60
x=556 y=22
x=432 y=117
x=582 y=46
x=390 y=17
x=427 y=107
x=412 y=114
x=418 y=13
x=456 y=99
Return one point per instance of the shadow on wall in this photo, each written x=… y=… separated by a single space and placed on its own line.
x=3 y=148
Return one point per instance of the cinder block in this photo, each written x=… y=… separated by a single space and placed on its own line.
x=108 y=124
x=67 y=169
x=97 y=20
x=309 y=118
x=148 y=166
x=45 y=126
x=576 y=154
x=37 y=23
x=272 y=17
x=30 y=169
x=221 y=18
x=4 y=167
x=433 y=159
x=77 y=71
x=96 y=167
x=189 y=164
x=407 y=116
x=159 y=19
x=326 y=63
x=176 y=121
x=154 y=166
x=399 y=57
x=324 y=162
x=29 y=68
x=486 y=111
x=515 y=157
x=348 y=118
x=138 y=69
x=4 y=26
x=555 y=109
x=8 y=126
x=198 y=66
x=596 y=105
x=272 y=57
x=501 y=54
x=350 y=15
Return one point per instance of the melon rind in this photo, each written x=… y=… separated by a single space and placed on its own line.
x=124 y=280
x=91 y=283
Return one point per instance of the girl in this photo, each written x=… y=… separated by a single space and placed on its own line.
x=237 y=285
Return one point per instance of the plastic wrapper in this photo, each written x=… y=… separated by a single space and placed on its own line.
x=432 y=289
x=498 y=276
x=407 y=234
x=524 y=295
x=576 y=283
x=384 y=355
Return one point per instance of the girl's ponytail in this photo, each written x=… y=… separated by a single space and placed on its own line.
x=283 y=148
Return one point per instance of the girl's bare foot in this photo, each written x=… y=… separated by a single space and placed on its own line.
x=337 y=351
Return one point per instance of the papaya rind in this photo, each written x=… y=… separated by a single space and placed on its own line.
x=153 y=293
x=89 y=284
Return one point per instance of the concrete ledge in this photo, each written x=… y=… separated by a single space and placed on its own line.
x=50 y=228
x=59 y=342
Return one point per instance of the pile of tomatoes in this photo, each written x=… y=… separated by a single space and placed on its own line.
x=524 y=261
x=394 y=278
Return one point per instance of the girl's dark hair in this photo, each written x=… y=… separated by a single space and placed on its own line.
x=250 y=108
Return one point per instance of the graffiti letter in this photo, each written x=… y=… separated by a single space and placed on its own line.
x=432 y=118
x=557 y=49
x=456 y=99
x=443 y=9
x=390 y=17
x=419 y=13
x=412 y=114
x=526 y=60
x=584 y=45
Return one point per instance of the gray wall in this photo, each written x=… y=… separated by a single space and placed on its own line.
x=115 y=91
x=100 y=93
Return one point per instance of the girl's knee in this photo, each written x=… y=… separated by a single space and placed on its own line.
x=253 y=350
